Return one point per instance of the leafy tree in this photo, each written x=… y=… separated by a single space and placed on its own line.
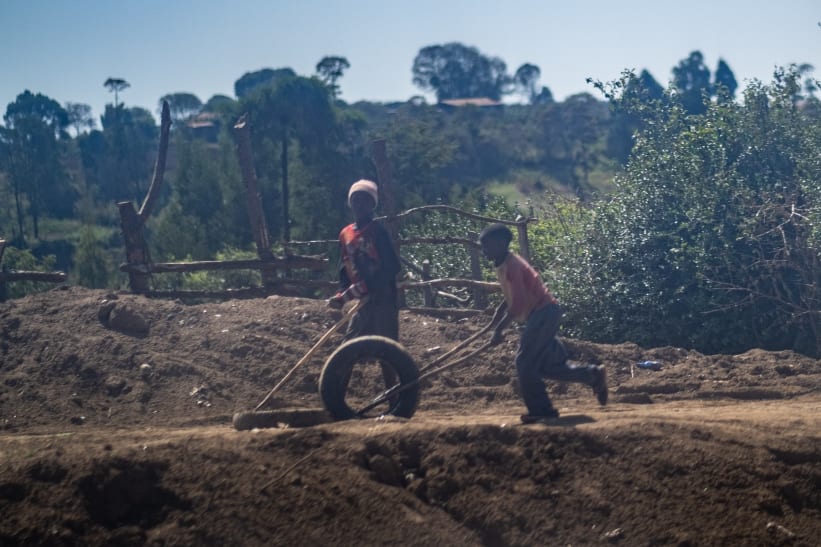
x=33 y=158
x=724 y=78
x=219 y=103
x=545 y=96
x=647 y=88
x=115 y=85
x=330 y=70
x=197 y=204
x=119 y=159
x=711 y=238
x=249 y=81
x=525 y=80
x=570 y=133
x=691 y=79
x=810 y=84
x=625 y=96
x=419 y=149
x=181 y=105
x=296 y=111
x=79 y=117
x=455 y=71
x=29 y=106
x=91 y=265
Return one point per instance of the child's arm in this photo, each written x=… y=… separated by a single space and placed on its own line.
x=346 y=290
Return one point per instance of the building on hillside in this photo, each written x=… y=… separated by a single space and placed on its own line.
x=205 y=126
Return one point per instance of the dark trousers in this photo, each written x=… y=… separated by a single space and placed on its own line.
x=378 y=316
x=542 y=355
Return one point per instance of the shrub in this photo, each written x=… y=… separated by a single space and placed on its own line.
x=711 y=238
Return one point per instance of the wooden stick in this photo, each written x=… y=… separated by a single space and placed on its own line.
x=458 y=347
x=458 y=211
x=23 y=275
x=159 y=166
x=294 y=261
x=290 y=468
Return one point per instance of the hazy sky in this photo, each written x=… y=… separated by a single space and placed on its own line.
x=66 y=49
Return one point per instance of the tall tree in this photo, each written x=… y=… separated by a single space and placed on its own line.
x=218 y=103
x=33 y=124
x=651 y=90
x=119 y=159
x=457 y=71
x=330 y=69
x=636 y=90
x=691 y=79
x=115 y=85
x=725 y=78
x=266 y=76
x=79 y=117
x=526 y=79
x=181 y=105
x=296 y=118
x=810 y=84
x=545 y=96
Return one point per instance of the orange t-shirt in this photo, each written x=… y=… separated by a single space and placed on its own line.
x=523 y=287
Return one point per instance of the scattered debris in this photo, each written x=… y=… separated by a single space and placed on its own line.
x=201 y=393
x=773 y=527
x=145 y=370
x=649 y=365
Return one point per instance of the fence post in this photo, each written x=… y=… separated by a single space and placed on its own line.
x=524 y=244
x=479 y=300
x=159 y=166
x=136 y=251
x=430 y=296
x=387 y=197
x=253 y=201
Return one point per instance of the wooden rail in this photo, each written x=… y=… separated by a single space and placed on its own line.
x=7 y=276
x=276 y=271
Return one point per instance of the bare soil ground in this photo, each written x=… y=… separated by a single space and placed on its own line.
x=115 y=429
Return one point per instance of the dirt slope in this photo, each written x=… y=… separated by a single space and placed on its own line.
x=115 y=428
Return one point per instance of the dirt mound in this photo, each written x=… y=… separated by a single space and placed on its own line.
x=115 y=415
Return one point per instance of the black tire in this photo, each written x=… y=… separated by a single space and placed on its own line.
x=340 y=376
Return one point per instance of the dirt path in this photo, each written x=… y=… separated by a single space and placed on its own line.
x=678 y=473
x=115 y=415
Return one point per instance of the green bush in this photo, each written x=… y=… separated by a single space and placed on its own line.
x=23 y=260
x=711 y=238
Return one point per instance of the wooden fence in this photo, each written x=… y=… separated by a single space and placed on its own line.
x=277 y=272
x=7 y=276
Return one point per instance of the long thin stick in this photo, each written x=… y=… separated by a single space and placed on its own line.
x=290 y=468
x=311 y=351
x=399 y=388
x=458 y=347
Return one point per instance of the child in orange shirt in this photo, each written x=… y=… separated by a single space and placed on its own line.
x=368 y=267
x=541 y=354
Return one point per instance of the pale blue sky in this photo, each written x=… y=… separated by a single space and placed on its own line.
x=66 y=49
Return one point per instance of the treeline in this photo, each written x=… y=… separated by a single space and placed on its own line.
x=690 y=209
